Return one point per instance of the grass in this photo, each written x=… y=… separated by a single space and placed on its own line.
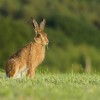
x=52 y=87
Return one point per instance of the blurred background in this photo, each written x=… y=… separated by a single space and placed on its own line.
x=73 y=28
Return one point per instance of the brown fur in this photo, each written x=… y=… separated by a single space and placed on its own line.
x=30 y=56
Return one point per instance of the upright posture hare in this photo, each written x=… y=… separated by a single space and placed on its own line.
x=30 y=56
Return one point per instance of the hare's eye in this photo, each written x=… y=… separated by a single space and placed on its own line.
x=38 y=35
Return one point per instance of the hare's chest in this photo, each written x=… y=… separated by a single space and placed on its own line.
x=40 y=56
x=37 y=56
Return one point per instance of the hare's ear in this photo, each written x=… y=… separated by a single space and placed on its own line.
x=35 y=24
x=42 y=24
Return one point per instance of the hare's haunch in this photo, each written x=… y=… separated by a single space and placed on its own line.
x=30 y=56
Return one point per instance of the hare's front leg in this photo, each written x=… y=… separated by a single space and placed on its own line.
x=31 y=72
x=14 y=72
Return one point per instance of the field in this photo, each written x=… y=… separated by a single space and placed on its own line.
x=51 y=87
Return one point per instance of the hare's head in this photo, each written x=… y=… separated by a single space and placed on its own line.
x=40 y=36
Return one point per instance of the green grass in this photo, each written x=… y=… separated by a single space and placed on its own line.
x=52 y=87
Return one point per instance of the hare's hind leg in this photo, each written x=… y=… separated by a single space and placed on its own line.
x=12 y=68
x=12 y=72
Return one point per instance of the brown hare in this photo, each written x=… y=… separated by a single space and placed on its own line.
x=30 y=56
